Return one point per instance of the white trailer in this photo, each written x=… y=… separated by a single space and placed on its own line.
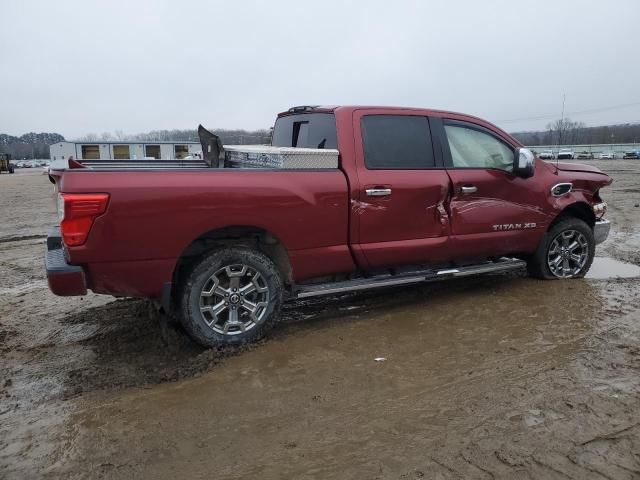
x=113 y=150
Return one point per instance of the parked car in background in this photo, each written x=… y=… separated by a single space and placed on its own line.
x=546 y=155
x=632 y=154
x=566 y=153
x=585 y=155
x=607 y=156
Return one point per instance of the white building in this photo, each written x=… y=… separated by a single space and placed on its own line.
x=60 y=152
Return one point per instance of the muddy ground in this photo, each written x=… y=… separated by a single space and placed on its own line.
x=494 y=377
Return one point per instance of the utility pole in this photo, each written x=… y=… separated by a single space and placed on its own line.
x=561 y=129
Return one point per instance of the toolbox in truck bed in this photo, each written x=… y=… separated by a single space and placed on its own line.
x=264 y=156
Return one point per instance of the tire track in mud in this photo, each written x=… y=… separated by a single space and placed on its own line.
x=23 y=289
x=21 y=238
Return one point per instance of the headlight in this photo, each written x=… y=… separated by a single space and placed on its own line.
x=599 y=209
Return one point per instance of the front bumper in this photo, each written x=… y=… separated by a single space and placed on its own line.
x=64 y=279
x=601 y=230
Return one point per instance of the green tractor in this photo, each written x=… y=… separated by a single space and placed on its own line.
x=5 y=163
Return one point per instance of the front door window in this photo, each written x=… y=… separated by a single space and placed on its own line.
x=472 y=148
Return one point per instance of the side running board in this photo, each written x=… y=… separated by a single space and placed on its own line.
x=501 y=265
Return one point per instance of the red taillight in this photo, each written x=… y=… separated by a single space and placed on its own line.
x=77 y=212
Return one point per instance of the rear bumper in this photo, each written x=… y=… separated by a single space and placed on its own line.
x=64 y=279
x=601 y=230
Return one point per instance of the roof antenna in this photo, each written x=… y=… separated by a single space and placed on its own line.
x=564 y=96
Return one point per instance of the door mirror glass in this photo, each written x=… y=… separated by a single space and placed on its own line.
x=524 y=163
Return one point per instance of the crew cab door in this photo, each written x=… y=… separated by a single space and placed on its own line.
x=493 y=212
x=399 y=212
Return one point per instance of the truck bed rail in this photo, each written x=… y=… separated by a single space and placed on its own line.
x=142 y=164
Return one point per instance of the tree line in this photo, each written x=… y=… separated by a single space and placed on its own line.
x=30 y=145
x=567 y=132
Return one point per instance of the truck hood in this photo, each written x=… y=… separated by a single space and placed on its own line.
x=577 y=167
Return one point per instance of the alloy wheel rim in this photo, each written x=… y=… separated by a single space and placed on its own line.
x=568 y=253
x=234 y=299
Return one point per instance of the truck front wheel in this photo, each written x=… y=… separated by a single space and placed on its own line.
x=232 y=297
x=566 y=251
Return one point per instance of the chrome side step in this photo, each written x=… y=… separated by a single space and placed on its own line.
x=502 y=265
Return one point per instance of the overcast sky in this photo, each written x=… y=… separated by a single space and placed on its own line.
x=75 y=67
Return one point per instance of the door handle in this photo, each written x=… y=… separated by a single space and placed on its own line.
x=378 y=192
x=468 y=189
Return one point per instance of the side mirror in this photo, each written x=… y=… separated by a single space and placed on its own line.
x=524 y=163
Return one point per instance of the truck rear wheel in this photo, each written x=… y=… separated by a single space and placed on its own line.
x=566 y=251
x=232 y=297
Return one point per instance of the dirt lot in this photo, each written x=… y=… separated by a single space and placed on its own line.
x=494 y=377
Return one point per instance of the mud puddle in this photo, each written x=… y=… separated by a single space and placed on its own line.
x=605 y=268
x=468 y=361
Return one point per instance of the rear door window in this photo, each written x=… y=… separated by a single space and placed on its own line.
x=309 y=130
x=397 y=142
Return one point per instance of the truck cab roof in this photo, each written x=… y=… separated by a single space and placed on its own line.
x=335 y=108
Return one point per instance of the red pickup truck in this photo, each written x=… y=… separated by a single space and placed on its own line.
x=416 y=195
